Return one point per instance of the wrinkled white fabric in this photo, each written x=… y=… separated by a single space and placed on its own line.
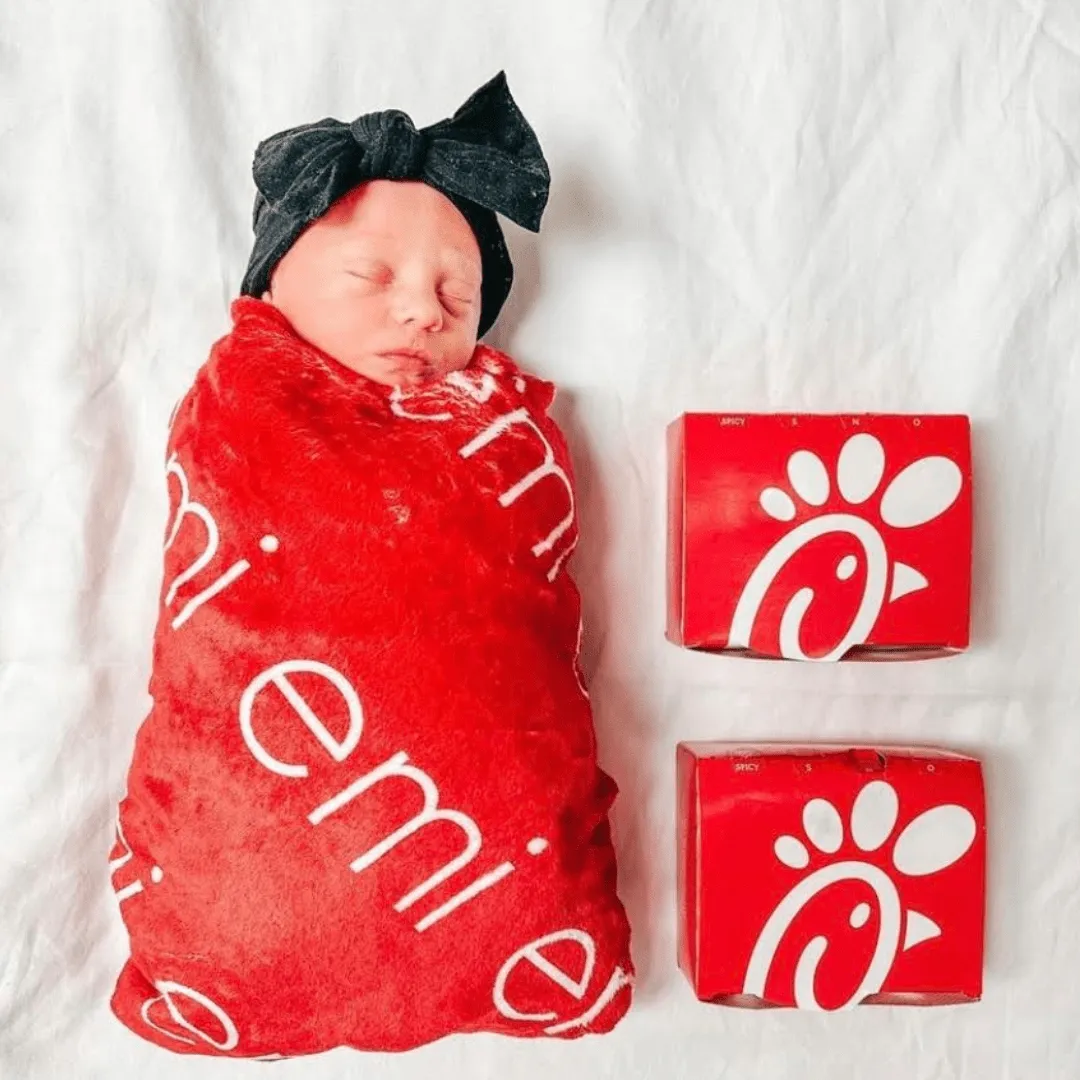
x=795 y=204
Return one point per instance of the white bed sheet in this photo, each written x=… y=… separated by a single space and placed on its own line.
x=793 y=204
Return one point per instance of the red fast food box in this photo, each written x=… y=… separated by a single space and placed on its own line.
x=828 y=877
x=820 y=537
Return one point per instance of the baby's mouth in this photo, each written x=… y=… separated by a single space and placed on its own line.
x=412 y=366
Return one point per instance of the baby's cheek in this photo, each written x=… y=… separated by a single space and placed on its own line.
x=457 y=362
x=460 y=352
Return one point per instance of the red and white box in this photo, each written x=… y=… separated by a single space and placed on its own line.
x=820 y=537
x=828 y=877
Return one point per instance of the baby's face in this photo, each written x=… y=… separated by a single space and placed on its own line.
x=387 y=282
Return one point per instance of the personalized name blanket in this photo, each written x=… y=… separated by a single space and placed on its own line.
x=365 y=808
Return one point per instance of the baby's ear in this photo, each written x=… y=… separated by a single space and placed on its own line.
x=266 y=296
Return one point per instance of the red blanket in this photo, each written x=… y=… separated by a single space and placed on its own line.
x=365 y=807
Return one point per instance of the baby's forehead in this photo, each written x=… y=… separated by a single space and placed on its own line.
x=399 y=245
x=384 y=214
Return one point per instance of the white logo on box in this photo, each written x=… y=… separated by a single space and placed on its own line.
x=934 y=840
x=918 y=494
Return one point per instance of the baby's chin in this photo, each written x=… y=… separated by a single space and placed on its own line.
x=403 y=373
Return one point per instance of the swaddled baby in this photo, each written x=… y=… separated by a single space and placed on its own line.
x=365 y=808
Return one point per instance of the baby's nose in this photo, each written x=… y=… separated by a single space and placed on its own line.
x=419 y=308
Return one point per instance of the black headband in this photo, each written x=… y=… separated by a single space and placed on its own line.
x=486 y=159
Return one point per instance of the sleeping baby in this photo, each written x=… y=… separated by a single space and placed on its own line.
x=365 y=809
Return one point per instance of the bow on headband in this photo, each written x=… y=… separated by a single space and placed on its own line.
x=486 y=159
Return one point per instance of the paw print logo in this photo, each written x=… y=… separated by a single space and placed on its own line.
x=934 y=840
x=921 y=492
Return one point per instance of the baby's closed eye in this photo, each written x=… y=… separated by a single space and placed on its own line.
x=457 y=294
x=370 y=270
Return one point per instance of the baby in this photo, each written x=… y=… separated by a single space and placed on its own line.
x=365 y=808
x=387 y=283
x=379 y=243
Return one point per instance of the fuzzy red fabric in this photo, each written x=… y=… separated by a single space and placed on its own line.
x=365 y=808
